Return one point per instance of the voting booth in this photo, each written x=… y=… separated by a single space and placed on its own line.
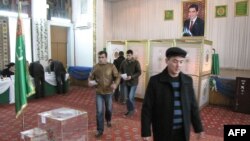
x=197 y=63
x=151 y=55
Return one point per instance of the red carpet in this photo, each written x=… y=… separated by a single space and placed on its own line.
x=122 y=128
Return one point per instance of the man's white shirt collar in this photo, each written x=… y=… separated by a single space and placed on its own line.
x=193 y=20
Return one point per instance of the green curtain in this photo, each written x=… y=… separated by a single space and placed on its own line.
x=215 y=64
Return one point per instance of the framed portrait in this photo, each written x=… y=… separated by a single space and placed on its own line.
x=169 y=15
x=241 y=8
x=193 y=17
x=220 y=11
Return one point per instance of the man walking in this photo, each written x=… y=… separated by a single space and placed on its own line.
x=132 y=69
x=169 y=104
x=105 y=78
x=117 y=62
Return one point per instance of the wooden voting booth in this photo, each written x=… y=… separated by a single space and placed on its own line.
x=151 y=55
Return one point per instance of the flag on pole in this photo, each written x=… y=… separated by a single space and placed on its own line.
x=23 y=84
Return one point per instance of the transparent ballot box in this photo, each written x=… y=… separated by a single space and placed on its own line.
x=64 y=124
x=35 y=134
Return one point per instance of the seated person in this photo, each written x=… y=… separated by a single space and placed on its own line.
x=10 y=70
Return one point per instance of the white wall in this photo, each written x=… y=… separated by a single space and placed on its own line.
x=144 y=19
x=84 y=48
x=107 y=22
x=230 y=35
x=83 y=32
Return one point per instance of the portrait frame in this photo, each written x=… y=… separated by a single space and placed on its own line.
x=168 y=15
x=241 y=8
x=221 y=11
x=201 y=8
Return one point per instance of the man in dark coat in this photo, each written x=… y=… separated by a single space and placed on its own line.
x=131 y=67
x=37 y=72
x=169 y=104
x=60 y=74
x=10 y=70
x=194 y=26
x=117 y=63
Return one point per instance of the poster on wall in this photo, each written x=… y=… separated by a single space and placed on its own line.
x=241 y=8
x=193 y=17
x=220 y=11
x=168 y=15
x=191 y=64
x=157 y=59
x=113 y=50
x=204 y=91
x=207 y=59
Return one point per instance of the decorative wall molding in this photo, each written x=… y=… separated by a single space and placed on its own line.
x=41 y=29
x=4 y=42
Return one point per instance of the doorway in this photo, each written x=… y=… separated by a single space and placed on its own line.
x=59 y=36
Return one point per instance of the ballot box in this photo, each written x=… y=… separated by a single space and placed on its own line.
x=64 y=124
x=35 y=134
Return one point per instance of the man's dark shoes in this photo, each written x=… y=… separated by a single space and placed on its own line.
x=109 y=124
x=98 y=134
x=130 y=113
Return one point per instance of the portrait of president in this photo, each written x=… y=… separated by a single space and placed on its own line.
x=193 y=26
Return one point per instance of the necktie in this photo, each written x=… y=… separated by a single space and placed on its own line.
x=191 y=25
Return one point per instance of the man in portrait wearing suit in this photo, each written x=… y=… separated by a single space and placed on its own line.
x=193 y=26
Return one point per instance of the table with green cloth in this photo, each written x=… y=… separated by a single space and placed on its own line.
x=50 y=84
x=7 y=88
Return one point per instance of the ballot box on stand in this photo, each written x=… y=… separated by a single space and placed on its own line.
x=35 y=134
x=64 y=124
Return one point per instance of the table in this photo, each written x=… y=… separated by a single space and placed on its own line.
x=7 y=88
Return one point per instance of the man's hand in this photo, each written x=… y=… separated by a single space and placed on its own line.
x=200 y=136
x=128 y=78
x=90 y=84
x=145 y=138
x=113 y=86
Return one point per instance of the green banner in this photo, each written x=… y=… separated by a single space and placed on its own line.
x=169 y=15
x=23 y=85
x=241 y=8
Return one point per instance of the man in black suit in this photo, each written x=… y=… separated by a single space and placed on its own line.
x=10 y=70
x=117 y=63
x=194 y=26
x=37 y=72
x=60 y=74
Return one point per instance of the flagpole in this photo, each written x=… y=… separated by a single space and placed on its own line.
x=23 y=119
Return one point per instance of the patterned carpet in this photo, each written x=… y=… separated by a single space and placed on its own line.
x=122 y=128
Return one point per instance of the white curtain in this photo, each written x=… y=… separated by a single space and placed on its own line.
x=144 y=19
x=230 y=35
